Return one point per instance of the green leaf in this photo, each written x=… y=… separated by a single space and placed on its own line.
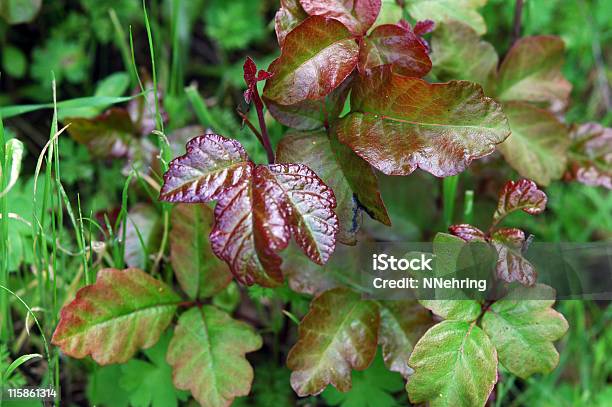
x=390 y=13
x=125 y=310
x=317 y=56
x=99 y=383
x=459 y=53
x=455 y=365
x=235 y=24
x=149 y=383
x=371 y=388
x=402 y=323
x=198 y=270
x=14 y=61
x=19 y=11
x=338 y=334
x=537 y=148
x=142 y=234
x=351 y=178
x=6 y=375
x=523 y=327
x=458 y=125
x=446 y=10
x=531 y=72
x=207 y=356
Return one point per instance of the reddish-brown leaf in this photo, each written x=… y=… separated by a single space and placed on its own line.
x=357 y=15
x=311 y=114
x=108 y=135
x=391 y=44
x=212 y=164
x=520 y=195
x=531 y=71
x=287 y=18
x=317 y=56
x=467 y=232
x=251 y=77
x=400 y=123
x=591 y=155
x=124 y=311
x=339 y=333
x=511 y=265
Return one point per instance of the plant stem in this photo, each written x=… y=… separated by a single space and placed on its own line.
x=518 y=15
x=449 y=190
x=265 y=138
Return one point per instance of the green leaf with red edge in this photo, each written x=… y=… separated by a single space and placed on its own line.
x=258 y=207
x=455 y=364
x=207 y=355
x=523 y=327
x=198 y=271
x=590 y=155
x=394 y=45
x=351 y=178
x=108 y=135
x=357 y=15
x=537 y=148
x=124 y=311
x=311 y=114
x=338 y=334
x=531 y=72
x=521 y=195
x=458 y=52
x=447 y=10
x=402 y=323
x=511 y=265
x=317 y=56
x=141 y=235
x=400 y=123
x=287 y=18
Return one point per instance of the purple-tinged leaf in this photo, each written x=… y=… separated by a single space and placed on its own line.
x=531 y=72
x=251 y=77
x=537 y=148
x=511 y=265
x=198 y=271
x=467 y=232
x=108 y=135
x=339 y=333
x=124 y=311
x=211 y=165
x=317 y=56
x=521 y=195
x=424 y=27
x=287 y=18
x=357 y=15
x=590 y=155
x=391 y=44
x=400 y=123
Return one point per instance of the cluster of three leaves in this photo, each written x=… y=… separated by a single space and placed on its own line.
x=128 y=310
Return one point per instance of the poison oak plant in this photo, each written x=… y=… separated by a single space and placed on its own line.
x=314 y=188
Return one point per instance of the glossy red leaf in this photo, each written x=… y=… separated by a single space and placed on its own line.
x=259 y=207
x=400 y=123
x=424 y=27
x=357 y=15
x=520 y=195
x=251 y=77
x=212 y=164
x=511 y=265
x=590 y=155
x=287 y=18
x=317 y=56
x=391 y=44
x=467 y=232
x=124 y=311
x=312 y=114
